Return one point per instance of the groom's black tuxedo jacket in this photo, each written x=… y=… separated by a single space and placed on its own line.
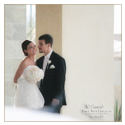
x=52 y=86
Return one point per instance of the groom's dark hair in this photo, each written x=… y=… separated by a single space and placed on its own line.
x=48 y=39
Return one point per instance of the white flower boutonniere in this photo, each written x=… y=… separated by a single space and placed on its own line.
x=49 y=61
x=52 y=67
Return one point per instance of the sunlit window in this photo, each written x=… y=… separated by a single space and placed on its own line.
x=31 y=22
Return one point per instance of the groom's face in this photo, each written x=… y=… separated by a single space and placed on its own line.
x=42 y=46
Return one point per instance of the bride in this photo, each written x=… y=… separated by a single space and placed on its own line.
x=26 y=78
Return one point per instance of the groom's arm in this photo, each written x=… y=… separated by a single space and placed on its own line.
x=60 y=79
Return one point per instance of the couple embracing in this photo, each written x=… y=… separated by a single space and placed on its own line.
x=40 y=84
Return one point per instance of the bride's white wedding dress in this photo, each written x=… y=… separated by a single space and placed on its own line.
x=27 y=93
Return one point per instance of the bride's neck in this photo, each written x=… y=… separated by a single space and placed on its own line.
x=32 y=58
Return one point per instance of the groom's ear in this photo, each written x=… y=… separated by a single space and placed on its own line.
x=49 y=45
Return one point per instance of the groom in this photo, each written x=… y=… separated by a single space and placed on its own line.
x=54 y=67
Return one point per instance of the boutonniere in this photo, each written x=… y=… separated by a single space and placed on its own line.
x=49 y=61
x=52 y=67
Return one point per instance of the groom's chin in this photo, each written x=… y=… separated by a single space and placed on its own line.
x=40 y=51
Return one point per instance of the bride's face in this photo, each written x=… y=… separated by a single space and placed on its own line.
x=31 y=49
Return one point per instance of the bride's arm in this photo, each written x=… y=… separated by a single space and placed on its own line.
x=19 y=71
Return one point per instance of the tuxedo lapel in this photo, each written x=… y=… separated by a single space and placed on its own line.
x=40 y=63
x=52 y=55
x=46 y=68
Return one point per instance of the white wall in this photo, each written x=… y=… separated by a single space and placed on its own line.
x=15 y=34
x=87 y=46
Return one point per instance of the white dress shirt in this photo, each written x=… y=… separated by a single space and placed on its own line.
x=46 y=58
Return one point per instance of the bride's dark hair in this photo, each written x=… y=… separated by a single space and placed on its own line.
x=24 y=46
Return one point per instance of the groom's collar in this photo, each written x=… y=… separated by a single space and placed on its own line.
x=49 y=54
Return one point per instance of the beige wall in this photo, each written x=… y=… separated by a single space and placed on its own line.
x=49 y=20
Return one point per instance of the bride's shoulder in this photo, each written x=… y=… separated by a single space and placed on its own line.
x=25 y=62
x=25 y=59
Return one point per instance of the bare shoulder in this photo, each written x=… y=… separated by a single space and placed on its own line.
x=24 y=63
x=26 y=60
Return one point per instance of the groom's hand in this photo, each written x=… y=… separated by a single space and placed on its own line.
x=55 y=102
